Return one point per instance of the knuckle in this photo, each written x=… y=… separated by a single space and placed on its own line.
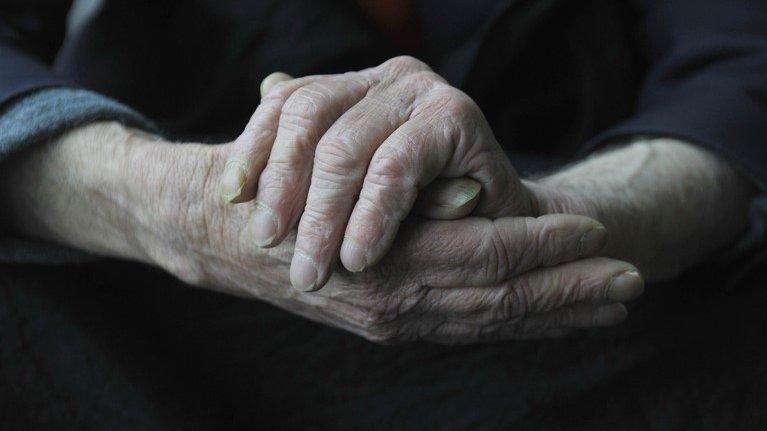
x=381 y=206
x=373 y=207
x=456 y=104
x=337 y=157
x=276 y=176
x=303 y=104
x=392 y=165
x=313 y=229
x=286 y=171
x=423 y=80
x=338 y=152
x=538 y=243
x=295 y=135
x=330 y=184
x=405 y=63
x=498 y=258
x=279 y=92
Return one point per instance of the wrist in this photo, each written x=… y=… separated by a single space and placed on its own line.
x=184 y=227
x=649 y=194
x=171 y=186
x=552 y=196
x=198 y=237
x=68 y=190
x=94 y=188
x=574 y=194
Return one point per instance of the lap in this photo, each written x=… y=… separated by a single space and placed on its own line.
x=111 y=343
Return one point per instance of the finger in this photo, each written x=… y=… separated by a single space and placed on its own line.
x=448 y=198
x=553 y=324
x=250 y=151
x=460 y=333
x=272 y=80
x=482 y=252
x=594 y=281
x=341 y=160
x=305 y=117
x=429 y=144
x=576 y=316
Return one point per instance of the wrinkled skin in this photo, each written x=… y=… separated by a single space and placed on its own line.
x=123 y=193
x=457 y=281
x=348 y=154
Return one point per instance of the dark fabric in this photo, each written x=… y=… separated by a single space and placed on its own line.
x=120 y=346
x=555 y=78
x=551 y=74
x=708 y=79
x=48 y=113
x=195 y=66
x=30 y=34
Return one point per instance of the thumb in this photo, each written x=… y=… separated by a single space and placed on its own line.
x=273 y=79
x=448 y=198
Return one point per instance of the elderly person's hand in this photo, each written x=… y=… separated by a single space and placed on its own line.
x=120 y=193
x=115 y=192
x=349 y=154
x=460 y=281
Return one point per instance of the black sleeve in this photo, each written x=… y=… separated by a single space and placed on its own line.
x=707 y=83
x=36 y=104
x=31 y=32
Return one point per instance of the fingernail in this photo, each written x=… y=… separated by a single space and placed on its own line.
x=233 y=180
x=626 y=287
x=460 y=196
x=353 y=255
x=303 y=272
x=264 y=225
x=452 y=193
x=610 y=315
x=592 y=241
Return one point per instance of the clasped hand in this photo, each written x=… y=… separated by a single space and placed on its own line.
x=346 y=158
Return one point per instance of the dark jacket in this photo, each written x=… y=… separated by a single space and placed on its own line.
x=551 y=75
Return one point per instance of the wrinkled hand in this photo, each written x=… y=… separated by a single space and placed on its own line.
x=119 y=193
x=461 y=281
x=349 y=154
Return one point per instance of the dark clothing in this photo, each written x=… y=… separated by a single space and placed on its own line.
x=549 y=74
x=114 y=345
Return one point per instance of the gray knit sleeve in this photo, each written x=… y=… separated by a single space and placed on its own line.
x=37 y=118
